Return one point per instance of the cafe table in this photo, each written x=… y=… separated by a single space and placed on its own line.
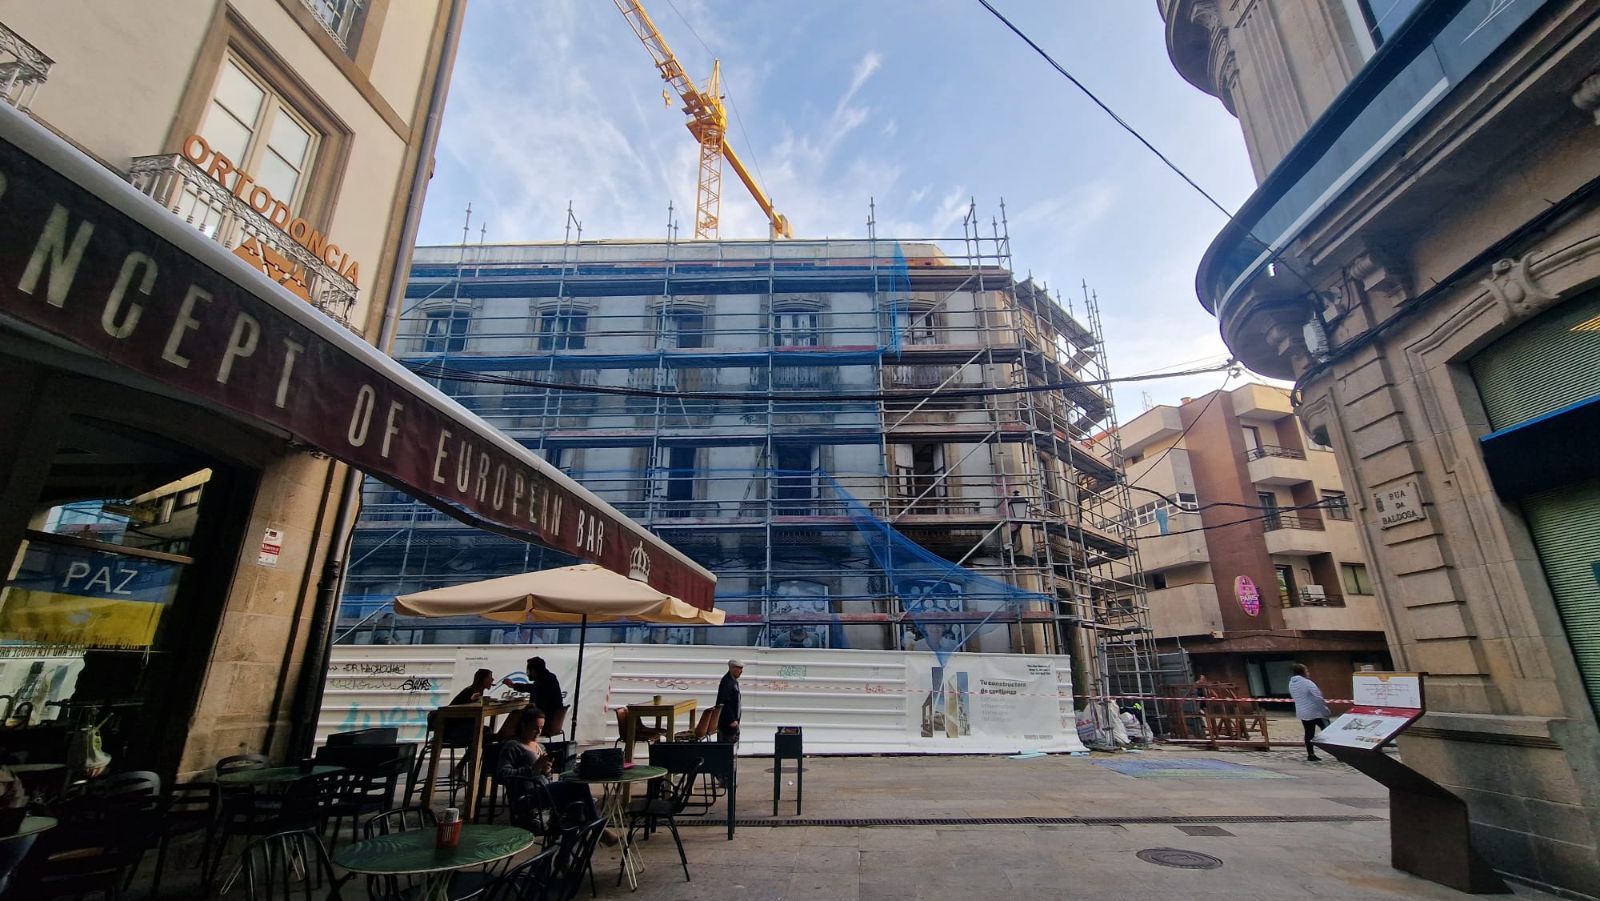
x=658 y=709
x=273 y=776
x=474 y=714
x=413 y=853
x=614 y=807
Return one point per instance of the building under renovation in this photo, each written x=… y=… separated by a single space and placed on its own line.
x=873 y=443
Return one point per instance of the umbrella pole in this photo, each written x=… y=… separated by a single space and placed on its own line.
x=577 y=689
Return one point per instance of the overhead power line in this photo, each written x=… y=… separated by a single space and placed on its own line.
x=1274 y=253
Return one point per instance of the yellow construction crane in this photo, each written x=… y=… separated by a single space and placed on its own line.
x=708 y=122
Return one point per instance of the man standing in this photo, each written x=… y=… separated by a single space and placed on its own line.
x=1309 y=706
x=545 y=689
x=728 y=700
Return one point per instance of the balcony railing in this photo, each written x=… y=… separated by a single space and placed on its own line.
x=22 y=69
x=338 y=18
x=1273 y=450
x=1275 y=521
x=1309 y=597
x=204 y=203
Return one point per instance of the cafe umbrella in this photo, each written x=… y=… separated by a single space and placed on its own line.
x=569 y=594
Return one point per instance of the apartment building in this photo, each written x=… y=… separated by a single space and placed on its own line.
x=1422 y=256
x=1274 y=574
x=812 y=420
x=205 y=206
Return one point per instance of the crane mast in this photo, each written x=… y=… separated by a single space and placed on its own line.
x=708 y=122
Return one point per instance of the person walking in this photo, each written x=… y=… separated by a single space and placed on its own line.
x=1309 y=706
x=728 y=700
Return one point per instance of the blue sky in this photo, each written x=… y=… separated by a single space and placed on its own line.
x=921 y=105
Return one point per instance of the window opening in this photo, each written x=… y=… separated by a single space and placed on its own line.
x=446 y=331
x=563 y=329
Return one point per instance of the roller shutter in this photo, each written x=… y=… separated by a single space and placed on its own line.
x=1566 y=530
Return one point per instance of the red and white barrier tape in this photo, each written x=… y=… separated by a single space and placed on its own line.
x=870 y=688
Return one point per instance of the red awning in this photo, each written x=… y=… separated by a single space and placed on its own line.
x=93 y=263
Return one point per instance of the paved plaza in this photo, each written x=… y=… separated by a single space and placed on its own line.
x=1097 y=812
x=986 y=828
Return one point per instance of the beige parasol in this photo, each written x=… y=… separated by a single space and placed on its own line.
x=570 y=594
x=564 y=595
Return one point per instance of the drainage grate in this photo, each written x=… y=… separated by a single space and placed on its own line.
x=1363 y=803
x=753 y=822
x=1204 y=830
x=1177 y=857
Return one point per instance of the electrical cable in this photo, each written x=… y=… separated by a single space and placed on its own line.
x=445 y=373
x=1232 y=371
x=1274 y=253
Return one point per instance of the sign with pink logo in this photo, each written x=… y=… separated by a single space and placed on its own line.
x=1247 y=593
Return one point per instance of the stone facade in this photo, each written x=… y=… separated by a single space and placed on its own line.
x=1477 y=216
x=358 y=80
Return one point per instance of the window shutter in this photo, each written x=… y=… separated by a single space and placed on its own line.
x=1546 y=364
x=1566 y=530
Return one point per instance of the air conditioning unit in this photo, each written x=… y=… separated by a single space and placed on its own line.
x=1314 y=595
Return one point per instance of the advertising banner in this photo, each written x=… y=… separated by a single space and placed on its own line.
x=989 y=702
x=66 y=595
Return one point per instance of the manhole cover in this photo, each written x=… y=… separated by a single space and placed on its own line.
x=1177 y=857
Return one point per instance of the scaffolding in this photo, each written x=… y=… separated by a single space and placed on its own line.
x=773 y=409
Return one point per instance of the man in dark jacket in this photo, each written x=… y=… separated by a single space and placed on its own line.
x=545 y=689
x=728 y=700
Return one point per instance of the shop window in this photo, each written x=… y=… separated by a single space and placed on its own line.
x=932 y=606
x=260 y=132
x=445 y=331
x=563 y=329
x=1356 y=579
x=798 y=599
x=794 y=328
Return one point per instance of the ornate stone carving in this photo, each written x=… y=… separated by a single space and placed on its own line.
x=1512 y=283
x=1587 y=96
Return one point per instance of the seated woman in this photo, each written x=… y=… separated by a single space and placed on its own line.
x=524 y=766
x=482 y=681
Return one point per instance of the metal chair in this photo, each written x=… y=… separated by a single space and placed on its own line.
x=575 y=859
x=531 y=880
x=288 y=865
x=190 y=808
x=299 y=808
x=647 y=812
x=403 y=819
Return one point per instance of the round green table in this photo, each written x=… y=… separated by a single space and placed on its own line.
x=412 y=853
x=614 y=807
x=274 y=775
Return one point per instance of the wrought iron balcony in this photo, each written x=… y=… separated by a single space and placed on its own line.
x=338 y=18
x=201 y=201
x=22 y=68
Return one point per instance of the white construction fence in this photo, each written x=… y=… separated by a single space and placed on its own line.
x=848 y=702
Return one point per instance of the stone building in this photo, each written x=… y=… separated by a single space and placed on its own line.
x=1247 y=544
x=1422 y=256
x=204 y=207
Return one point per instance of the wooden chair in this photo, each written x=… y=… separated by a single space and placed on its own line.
x=641 y=732
x=555 y=722
x=706 y=725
